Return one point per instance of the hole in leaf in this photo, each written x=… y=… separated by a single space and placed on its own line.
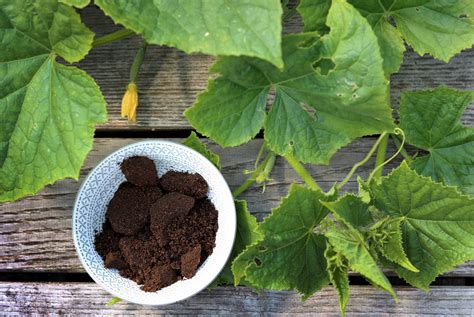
x=262 y=248
x=292 y=142
x=324 y=65
x=257 y=261
x=417 y=9
x=463 y=16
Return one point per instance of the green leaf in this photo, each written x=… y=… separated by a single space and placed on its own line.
x=113 y=301
x=314 y=13
x=47 y=110
x=352 y=211
x=290 y=254
x=216 y=27
x=316 y=111
x=338 y=275
x=76 y=3
x=349 y=242
x=247 y=234
x=438 y=27
x=437 y=223
x=430 y=120
x=387 y=236
x=193 y=142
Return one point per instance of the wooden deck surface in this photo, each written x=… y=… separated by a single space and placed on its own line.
x=35 y=232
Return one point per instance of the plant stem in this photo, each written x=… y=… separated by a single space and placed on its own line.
x=266 y=165
x=260 y=153
x=268 y=168
x=398 y=144
x=137 y=62
x=380 y=157
x=363 y=161
x=302 y=172
x=396 y=131
x=112 y=37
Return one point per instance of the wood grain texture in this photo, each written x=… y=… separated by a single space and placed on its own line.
x=170 y=80
x=35 y=232
x=88 y=298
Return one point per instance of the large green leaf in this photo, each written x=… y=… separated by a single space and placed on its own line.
x=217 y=27
x=291 y=253
x=437 y=222
x=47 y=110
x=315 y=112
x=430 y=120
x=347 y=239
x=441 y=28
x=247 y=234
x=193 y=142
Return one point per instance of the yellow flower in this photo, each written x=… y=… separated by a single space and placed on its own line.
x=130 y=103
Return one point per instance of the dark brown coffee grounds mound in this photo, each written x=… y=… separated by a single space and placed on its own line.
x=156 y=239
x=190 y=261
x=114 y=260
x=140 y=171
x=107 y=241
x=170 y=208
x=128 y=211
x=188 y=184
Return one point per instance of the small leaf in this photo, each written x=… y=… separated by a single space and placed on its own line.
x=247 y=234
x=352 y=245
x=437 y=223
x=219 y=27
x=430 y=120
x=338 y=275
x=387 y=236
x=193 y=142
x=352 y=211
x=290 y=254
x=113 y=301
x=347 y=240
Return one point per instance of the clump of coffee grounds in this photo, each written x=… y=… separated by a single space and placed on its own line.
x=157 y=231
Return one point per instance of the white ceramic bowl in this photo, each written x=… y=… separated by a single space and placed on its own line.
x=99 y=188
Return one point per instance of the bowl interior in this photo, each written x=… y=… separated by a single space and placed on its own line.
x=99 y=188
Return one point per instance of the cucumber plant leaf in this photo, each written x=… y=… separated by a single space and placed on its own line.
x=76 y=3
x=437 y=27
x=437 y=223
x=351 y=243
x=219 y=27
x=247 y=234
x=331 y=91
x=386 y=235
x=47 y=110
x=430 y=120
x=193 y=142
x=290 y=254
x=338 y=275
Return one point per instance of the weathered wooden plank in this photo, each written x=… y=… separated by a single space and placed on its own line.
x=170 y=80
x=35 y=233
x=88 y=298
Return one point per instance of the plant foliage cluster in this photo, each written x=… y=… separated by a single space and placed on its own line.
x=311 y=92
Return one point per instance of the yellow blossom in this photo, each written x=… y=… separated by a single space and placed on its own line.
x=130 y=103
